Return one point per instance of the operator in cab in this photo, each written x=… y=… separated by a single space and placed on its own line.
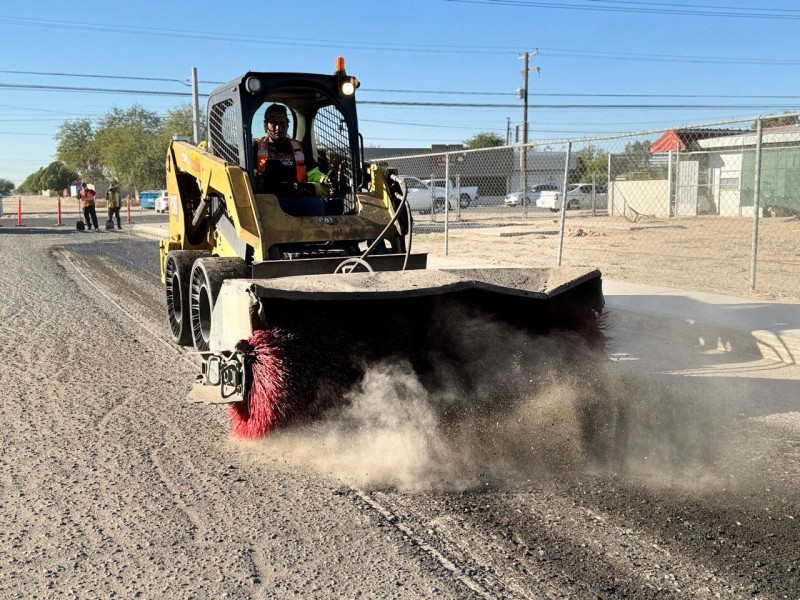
x=285 y=169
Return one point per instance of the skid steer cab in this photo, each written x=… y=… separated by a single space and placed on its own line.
x=289 y=266
x=231 y=216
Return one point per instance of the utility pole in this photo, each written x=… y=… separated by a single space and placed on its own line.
x=524 y=150
x=525 y=71
x=508 y=131
x=195 y=108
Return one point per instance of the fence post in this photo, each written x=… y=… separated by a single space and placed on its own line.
x=433 y=199
x=669 y=183
x=677 y=178
x=458 y=195
x=19 y=211
x=446 y=201
x=525 y=180
x=610 y=192
x=756 y=205
x=128 y=204
x=563 y=205
x=58 y=222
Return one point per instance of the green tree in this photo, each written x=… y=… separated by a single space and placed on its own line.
x=484 y=139
x=591 y=165
x=179 y=121
x=55 y=177
x=130 y=147
x=31 y=184
x=6 y=186
x=776 y=122
x=77 y=149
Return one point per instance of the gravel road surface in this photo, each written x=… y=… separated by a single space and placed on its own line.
x=663 y=473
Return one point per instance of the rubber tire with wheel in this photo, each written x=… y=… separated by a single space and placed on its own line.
x=208 y=274
x=464 y=200
x=438 y=205
x=573 y=205
x=177 y=274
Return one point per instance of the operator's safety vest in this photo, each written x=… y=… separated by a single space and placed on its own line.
x=299 y=158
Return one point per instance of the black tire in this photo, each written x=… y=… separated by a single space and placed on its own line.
x=573 y=205
x=178 y=271
x=206 y=280
x=553 y=210
x=438 y=204
x=465 y=200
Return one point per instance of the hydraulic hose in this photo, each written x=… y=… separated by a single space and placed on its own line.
x=403 y=203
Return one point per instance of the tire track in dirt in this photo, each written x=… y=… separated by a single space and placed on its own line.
x=460 y=574
x=457 y=569
x=175 y=493
x=257 y=557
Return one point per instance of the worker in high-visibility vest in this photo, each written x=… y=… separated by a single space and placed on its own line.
x=86 y=196
x=285 y=169
x=113 y=205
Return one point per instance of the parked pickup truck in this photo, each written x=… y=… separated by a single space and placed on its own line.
x=579 y=197
x=421 y=196
x=466 y=194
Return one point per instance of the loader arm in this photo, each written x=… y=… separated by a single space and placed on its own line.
x=214 y=177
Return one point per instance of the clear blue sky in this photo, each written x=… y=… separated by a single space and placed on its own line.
x=596 y=47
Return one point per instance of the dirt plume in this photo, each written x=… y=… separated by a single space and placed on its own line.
x=520 y=409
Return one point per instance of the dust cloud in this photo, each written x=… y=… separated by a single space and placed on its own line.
x=517 y=409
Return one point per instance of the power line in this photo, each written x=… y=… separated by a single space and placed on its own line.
x=24 y=133
x=414 y=91
x=209 y=36
x=695 y=6
x=93 y=76
x=579 y=106
x=671 y=58
x=686 y=10
x=62 y=88
x=33 y=87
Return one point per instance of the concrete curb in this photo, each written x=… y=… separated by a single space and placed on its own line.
x=150 y=231
x=711 y=321
x=761 y=343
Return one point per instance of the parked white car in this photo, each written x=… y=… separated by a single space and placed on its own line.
x=157 y=199
x=516 y=198
x=579 y=197
x=421 y=196
x=162 y=202
x=466 y=194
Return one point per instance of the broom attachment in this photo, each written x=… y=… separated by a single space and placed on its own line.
x=311 y=353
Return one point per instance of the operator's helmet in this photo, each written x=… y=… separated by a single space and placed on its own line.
x=275 y=110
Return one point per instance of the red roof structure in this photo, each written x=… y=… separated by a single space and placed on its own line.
x=682 y=139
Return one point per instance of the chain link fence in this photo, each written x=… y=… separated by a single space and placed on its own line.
x=710 y=207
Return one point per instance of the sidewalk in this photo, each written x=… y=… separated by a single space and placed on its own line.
x=713 y=321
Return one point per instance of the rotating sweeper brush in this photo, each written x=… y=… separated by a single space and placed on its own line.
x=290 y=295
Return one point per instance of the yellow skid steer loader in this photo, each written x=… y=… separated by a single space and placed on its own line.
x=287 y=309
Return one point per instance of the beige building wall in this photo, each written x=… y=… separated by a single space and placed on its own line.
x=647 y=197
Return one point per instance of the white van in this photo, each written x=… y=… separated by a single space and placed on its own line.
x=580 y=196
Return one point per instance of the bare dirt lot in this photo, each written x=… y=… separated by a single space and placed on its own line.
x=667 y=472
x=700 y=253
x=703 y=253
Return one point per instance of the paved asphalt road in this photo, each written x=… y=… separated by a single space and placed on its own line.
x=665 y=472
